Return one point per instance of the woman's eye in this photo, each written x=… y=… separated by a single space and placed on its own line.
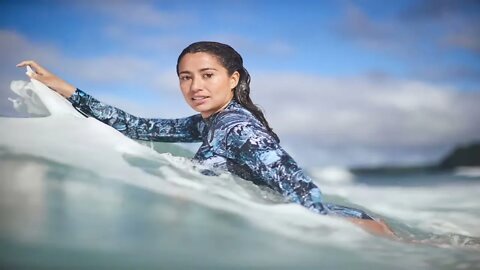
x=184 y=78
x=208 y=75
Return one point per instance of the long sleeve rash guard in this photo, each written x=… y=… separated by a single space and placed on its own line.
x=232 y=139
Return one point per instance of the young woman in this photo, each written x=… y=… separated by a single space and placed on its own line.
x=234 y=133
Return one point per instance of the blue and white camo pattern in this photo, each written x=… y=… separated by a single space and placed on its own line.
x=232 y=140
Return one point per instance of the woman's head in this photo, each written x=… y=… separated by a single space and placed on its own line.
x=207 y=78
x=211 y=74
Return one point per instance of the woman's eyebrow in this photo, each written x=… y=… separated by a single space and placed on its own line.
x=200 y=70
x=207 y=68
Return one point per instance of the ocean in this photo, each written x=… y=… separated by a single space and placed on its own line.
x=77 y=194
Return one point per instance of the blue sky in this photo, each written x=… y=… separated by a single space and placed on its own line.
x=342 y=82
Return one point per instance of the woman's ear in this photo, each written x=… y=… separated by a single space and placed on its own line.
x=234 y=79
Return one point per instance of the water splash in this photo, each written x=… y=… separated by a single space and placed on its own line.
x=73 y=183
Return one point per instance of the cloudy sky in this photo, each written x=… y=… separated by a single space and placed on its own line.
x=341 y=82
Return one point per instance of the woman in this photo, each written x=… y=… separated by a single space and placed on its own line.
x=234 y=133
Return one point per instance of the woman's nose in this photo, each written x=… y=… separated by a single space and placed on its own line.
x=196 y=85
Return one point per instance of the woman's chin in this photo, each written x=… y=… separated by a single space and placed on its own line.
x=202 y=109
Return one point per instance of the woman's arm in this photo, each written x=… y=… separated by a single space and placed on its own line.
x=152 y=129
x=271 y=164
x=254 y=147
x=164 y=130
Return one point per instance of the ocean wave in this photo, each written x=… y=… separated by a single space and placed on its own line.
x=473 y=172
x=68 y=181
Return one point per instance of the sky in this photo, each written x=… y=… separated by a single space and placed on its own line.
x=343 y=83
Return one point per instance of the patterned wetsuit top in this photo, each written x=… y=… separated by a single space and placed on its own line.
x=232 y=140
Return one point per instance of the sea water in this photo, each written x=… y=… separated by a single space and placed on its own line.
x=75 y=193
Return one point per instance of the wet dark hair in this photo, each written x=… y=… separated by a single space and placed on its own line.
x=232 y=61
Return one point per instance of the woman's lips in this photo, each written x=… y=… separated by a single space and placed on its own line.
x=199 y=100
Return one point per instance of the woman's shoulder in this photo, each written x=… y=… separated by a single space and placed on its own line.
x=235 y=115
x=233 y=127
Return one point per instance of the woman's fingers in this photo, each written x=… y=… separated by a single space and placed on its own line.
x=23 y=63
x=36 y=67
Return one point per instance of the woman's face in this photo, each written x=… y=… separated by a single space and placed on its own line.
x=205 y=83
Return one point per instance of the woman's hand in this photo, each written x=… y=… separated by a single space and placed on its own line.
x=379 y=228
x=41 y=74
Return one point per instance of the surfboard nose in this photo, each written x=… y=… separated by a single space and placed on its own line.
x=41 y=100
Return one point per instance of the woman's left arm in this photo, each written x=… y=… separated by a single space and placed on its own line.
x=253 y=147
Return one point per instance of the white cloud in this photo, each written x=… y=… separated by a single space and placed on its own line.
x=324 y=119
x=115 y=69
x=457 y=21
x=110 y=68
x=434 y=25
x=112 y=73
x=419 y=34
x=357 y=25
x=467 y=38
x=365 y=115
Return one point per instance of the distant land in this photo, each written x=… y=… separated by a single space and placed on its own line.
x=461 y=156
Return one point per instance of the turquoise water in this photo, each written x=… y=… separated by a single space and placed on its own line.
x=77 y=194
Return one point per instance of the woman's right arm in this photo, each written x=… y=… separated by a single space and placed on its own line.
x=149 y=129
x=164 y=130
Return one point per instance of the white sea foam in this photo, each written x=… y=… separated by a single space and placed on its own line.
x=468 y=171
x=439 y=208
x=67 y=137
x=84 y=144
x=332 y=175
